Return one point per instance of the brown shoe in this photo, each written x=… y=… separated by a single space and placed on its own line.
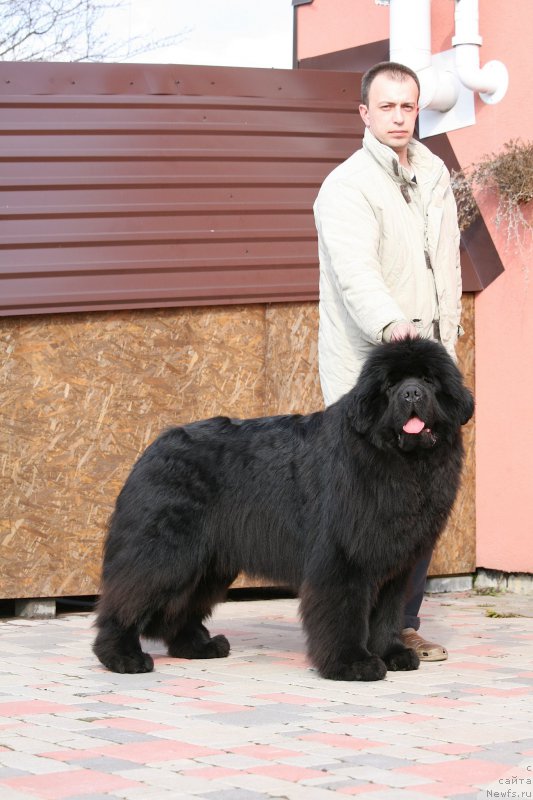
x=426 y=651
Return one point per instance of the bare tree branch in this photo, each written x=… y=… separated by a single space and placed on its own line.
x=69 y=30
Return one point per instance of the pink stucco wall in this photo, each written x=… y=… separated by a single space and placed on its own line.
x=503 y=311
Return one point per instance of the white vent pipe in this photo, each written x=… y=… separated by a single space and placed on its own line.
x=491 y=82
x=410 y=44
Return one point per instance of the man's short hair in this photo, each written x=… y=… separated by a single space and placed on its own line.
x=395 y=70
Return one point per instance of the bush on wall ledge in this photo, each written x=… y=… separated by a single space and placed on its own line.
x=509 y=174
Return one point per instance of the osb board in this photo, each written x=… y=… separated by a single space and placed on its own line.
x=291 y=361
x=82 y=395
x=293 y=385
x=455 y=553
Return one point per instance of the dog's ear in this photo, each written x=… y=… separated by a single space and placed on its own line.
x=367 y=404
x=455 y=397
x=466 y=405
x=360 y=412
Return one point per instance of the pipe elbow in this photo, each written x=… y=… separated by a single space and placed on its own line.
x=490 y=82
x=439 y=89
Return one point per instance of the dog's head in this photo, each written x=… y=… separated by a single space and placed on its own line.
x=410 y=395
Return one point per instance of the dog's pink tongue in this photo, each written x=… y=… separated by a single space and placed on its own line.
x=414 y=425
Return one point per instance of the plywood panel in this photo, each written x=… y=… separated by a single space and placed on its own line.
x=456 y=552
x=82 y=395
x=292 y=385
x=80 y=398
x=292 y=382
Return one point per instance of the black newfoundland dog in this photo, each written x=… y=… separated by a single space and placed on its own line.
x=338 y=504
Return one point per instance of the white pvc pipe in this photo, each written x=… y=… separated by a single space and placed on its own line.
x=410 y=33
x=410 y=44
x=491 y=82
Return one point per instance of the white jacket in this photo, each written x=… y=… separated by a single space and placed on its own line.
x=389 y=251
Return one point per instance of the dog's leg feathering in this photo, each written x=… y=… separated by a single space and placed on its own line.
x=335 y=617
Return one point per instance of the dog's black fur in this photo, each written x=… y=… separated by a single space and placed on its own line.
x=338 y=504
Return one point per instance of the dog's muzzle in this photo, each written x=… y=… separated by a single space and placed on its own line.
x=413 y=401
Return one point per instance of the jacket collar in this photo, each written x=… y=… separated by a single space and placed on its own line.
x=426 y=166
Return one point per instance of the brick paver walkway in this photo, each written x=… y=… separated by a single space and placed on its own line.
x=262 y=723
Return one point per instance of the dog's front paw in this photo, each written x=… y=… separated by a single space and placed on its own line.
x=368 y=669
x=403 y=660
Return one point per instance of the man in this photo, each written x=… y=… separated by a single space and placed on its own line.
x=389 y=256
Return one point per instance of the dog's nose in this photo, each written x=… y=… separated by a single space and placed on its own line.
x=412 y=392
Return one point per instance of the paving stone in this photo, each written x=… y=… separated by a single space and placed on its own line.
x=234 y=794
x=111 y=735
x=8 y=772
x=105 y=764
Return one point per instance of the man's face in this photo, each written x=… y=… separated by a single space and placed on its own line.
x=392 y=110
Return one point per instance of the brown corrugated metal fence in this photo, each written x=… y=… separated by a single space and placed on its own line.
x=133 y=186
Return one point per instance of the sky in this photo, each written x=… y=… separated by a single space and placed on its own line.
x=234 y=33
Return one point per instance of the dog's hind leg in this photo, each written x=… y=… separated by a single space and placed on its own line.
x=188 y=637
x=122 y=616
x=194 y=641
x=118 y=648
